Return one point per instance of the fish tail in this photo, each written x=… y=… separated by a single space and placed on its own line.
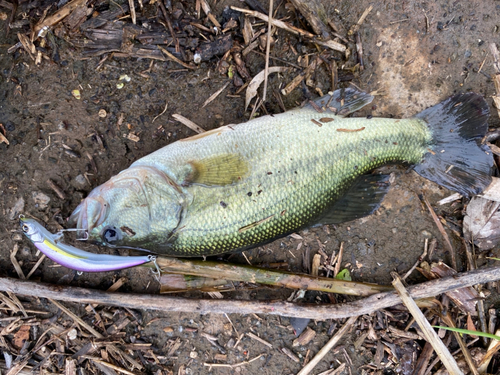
x=456 y=157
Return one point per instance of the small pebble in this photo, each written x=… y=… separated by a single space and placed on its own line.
x=72 y=334
x=102 y=113
x=41 y=200
x=17 y=209
x=80 y=181
x=426 y=234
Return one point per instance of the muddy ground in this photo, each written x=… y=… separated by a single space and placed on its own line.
x=415 y=55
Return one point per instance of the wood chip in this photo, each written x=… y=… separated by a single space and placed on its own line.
x=305 y=337
x=326 y=119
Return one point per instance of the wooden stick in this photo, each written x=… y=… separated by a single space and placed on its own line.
x=429 y=333
x=59 y=15
x=132 y=11
x=329 y=345
x=236 y=272
x=203 y=306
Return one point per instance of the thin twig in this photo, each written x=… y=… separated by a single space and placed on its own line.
x=356 y=27
x=162 y=112
x=210 y=365
x=419 y=260
x=35 y=267
x=214 y=95
x=329 y=345
x=173 y=58
x=443 y=233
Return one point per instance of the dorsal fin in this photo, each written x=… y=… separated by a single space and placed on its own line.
x=342 y=102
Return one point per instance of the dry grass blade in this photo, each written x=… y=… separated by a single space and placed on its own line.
x=190 y=124
x=329 y=345
x=429 y=333
x=109 y=365
x=292 y=29
x=214 y=95
x=257 y=80
x=268 y=47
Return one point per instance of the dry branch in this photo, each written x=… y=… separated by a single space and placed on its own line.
x=203 y=306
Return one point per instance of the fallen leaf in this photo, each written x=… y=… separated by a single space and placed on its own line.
x=257 y=80
x=3 y=139
x=482 y=223
x=22 y=335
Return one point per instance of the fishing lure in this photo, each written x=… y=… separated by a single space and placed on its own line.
x=73 y=258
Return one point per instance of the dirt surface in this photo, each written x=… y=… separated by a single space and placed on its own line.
x=415 y=55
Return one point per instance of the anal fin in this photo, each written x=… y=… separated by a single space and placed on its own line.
x=218 y=170
x=362 y=199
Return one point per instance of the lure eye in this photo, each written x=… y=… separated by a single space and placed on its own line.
x=111 y=235
x=25 y=228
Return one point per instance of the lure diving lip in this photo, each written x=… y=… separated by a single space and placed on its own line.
x=73 y=258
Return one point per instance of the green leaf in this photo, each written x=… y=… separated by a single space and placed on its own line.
x=469 y=332
x=344 y=275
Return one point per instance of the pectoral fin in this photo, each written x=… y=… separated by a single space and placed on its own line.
x=362 y=199
x=219 y=170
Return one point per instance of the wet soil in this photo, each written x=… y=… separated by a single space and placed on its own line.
x=415 y=55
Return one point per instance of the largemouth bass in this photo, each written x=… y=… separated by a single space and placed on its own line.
x=242 y=185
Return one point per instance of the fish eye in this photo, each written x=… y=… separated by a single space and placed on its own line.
x=111 y=235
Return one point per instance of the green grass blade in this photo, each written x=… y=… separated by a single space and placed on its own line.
x=469 y=332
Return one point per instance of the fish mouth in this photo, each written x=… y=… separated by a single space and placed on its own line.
x=88 y=215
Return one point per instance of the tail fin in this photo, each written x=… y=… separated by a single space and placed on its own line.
x=457 y=159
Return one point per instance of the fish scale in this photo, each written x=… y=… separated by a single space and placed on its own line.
x=322 y=165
